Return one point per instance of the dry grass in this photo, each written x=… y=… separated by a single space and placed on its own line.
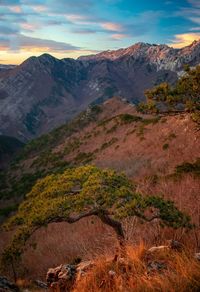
x=180 y=273
x=185 y=193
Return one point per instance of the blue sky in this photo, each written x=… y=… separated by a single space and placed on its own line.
x=70 y=28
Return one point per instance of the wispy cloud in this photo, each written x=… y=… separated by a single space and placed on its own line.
x=16 y=9
x=22 y=42
x=111 y=26
x=119 y=36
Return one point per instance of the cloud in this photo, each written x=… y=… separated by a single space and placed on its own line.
x=84 y=31
x=75 y=17
x=9 y=3
x=30 y=26
x=111 y=26
x=4 y=43
x=195 y=28
x=42 y=45
x=16 y=9
x=194 y=3
x=118 y=36
x=39 y=8
x=183 y=40
x=30 y=44
x=5 y=30
x=191 y=13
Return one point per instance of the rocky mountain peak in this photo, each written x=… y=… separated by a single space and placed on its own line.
x=43 y=92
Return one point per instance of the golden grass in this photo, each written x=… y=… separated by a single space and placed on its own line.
x=181 y=273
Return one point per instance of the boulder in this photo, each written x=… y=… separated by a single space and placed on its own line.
x=197 y=256
x=7 y=286
x=61 y=278
x=158 y=248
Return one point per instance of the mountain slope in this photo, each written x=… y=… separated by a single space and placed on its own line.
x=43 y=93
x=112 y=135
x=9 y=147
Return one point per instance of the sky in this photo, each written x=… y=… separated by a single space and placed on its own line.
x=70 y=28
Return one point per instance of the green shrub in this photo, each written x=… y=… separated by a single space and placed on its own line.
x=188 y=167
x=127 y=118
x=83 y=192
x=109 y=143
x=165 y=146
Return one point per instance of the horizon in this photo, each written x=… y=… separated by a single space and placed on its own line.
x=69 y=29
x=108 y=50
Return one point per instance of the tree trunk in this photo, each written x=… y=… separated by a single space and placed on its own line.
x=117 y=227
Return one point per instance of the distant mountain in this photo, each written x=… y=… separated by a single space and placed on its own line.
x=9 y=147
x=44 y=92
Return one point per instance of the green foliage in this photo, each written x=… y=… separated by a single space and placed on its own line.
x=165 y=146
x=109 y=143
x=127 y=118
x=84 y=157
x=146 y=107
x=79 y=191
x=188 y=167
x=186 y=92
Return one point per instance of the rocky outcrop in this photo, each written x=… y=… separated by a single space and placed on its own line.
x=62 y=277
x=7 y=286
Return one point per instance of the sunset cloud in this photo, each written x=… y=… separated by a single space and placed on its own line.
x=77 y=26
x=182 y=40
x=111 y=26
x=118 y=36
x=16 y=9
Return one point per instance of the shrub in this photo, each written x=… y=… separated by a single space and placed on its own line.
x=165 y=146
x=82 y=192
x=188 y=167
x=127 y=118
x=109 y=143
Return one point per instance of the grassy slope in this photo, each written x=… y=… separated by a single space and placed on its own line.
x=140 y=145
x=146 y=147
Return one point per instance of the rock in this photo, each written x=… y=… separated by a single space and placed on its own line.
x=197 y=256
x=61 y=278
x=111 y=273
x=176 y=245
x=41 y=284
x=158 y=248
x=6 y=285
x=156 y=266
x=82 y=268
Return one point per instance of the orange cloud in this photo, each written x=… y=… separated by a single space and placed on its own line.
x=39 y=8
x=29 y=26
x=183 y=40
x=16 y=9
x=118 y=36
x=111 y=26
x=75 y=17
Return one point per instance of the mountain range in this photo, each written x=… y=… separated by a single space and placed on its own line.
x=44 y=92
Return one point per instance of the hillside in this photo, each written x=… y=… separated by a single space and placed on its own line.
x=112 y=135
x=9 y=147
x=114 y=176
x=71 y=85
x=151 y=149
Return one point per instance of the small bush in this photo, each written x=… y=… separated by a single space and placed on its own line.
x=109 y=143
x=165 y=146
x=188 y=167
x=127 y=118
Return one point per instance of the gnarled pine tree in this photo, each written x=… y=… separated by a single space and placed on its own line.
x=82 y=192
